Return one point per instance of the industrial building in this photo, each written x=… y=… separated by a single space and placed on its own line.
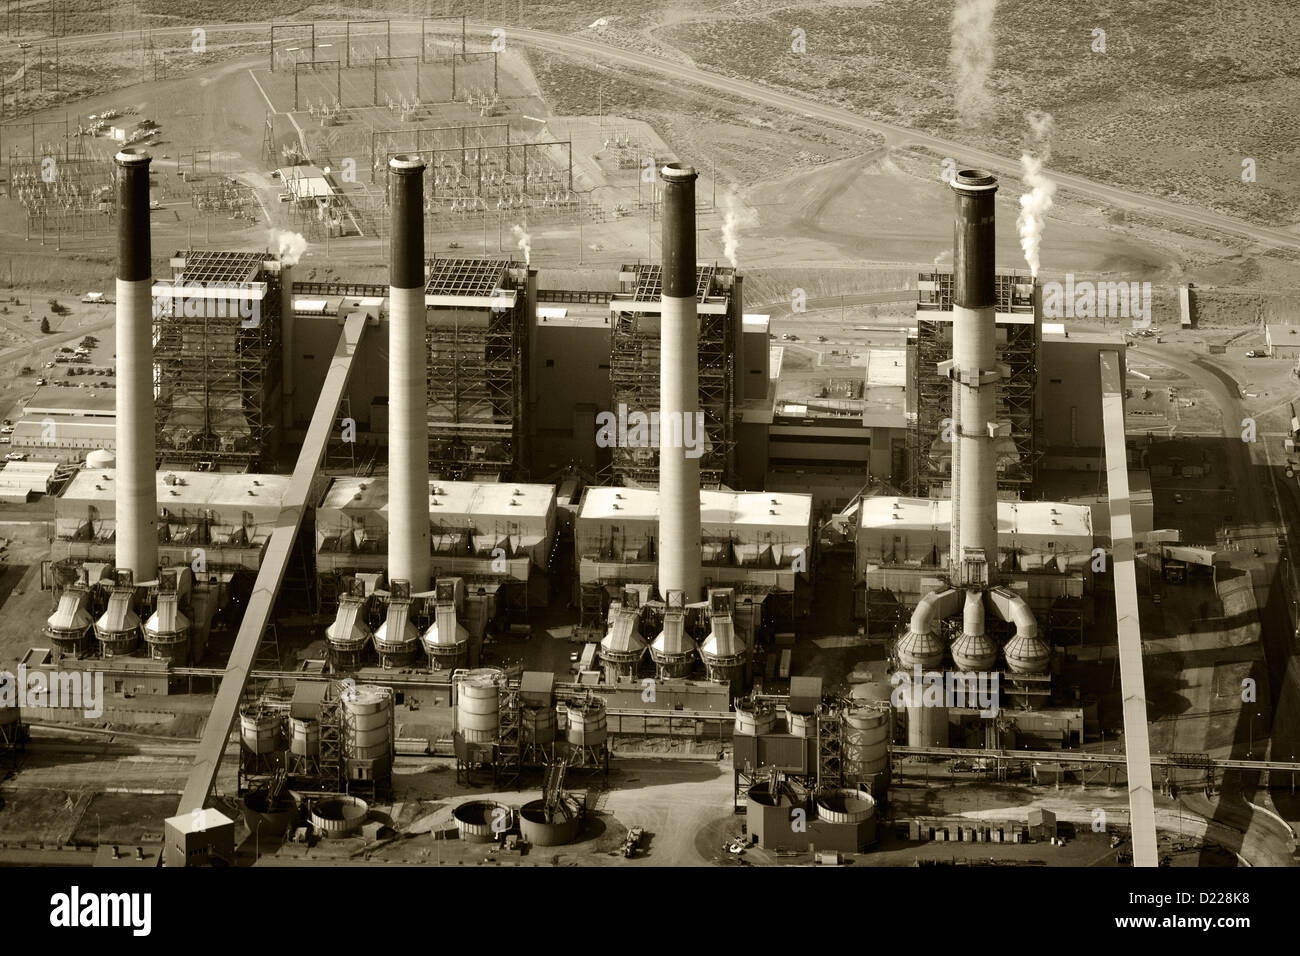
x=437 y=398
x=1017 y=310
x=217 y=360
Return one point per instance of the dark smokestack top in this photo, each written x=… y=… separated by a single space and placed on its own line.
x=974 y=239
x=133 y=244
x=678 y=230
x=406 y=252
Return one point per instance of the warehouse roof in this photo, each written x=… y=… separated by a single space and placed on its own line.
x=32 y=431
x=505 y=499
x=190 y=487
x=1014 y=517
x=716 y=507
x=97 y=401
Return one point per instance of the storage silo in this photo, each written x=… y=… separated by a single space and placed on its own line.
x=478 y=705
x=866 y=732
x=368 y=734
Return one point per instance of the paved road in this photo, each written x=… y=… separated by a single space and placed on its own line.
x=756 y=92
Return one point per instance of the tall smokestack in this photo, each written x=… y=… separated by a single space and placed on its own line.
x=974 y=375
x=679 y=393
x=137 y=500
x=408 y=433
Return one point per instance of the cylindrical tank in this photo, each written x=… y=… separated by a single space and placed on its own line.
x=267 y=817
x=482 y=821
x=542 y=829
x=587 y=726
x=754 y=717
x=368 y=723
x=304 y=737
x=337 y=817
x=478 y=703
x=845 y=806
x=261 y=731
x=866 y=743
x=538 y=725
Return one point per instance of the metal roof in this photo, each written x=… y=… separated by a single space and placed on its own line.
x=167 y=618
x=754 y=508
x=71 y=614
x=1014 y=517
x=468 y=276
x=192 y=488
x=673 y=639
x=397 y=627
x=118 y=617
x=445 y=631
x=622 y=637
x=347 y=626
x=100 y=400
x=722 y=642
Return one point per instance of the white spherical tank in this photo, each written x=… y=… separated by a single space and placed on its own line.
x=478 y=704
x=304 y=737
x=261 y=731
x=587 y=725
x=368 y=723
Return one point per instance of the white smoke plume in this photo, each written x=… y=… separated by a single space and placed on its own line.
x=736 y=215
x=1034 y=205
x=525 y=242
x=288 y=246
x=971 y=58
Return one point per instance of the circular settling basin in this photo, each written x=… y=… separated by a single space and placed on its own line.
x=539 y=830
x=339 y=816
x=476 y=818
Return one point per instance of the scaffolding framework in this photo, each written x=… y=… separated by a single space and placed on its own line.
x=477 y=361
x=215 y=376
x=634 y=372
x=1017 y=345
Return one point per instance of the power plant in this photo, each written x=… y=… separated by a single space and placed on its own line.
x=362 y=542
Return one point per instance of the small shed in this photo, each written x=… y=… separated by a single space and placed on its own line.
x=1042 y=824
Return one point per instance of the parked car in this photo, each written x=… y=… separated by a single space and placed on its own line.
x=15 y=456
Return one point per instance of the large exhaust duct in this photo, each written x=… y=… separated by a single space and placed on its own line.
x=679 y=394
x=137 y=501
x=408 y=433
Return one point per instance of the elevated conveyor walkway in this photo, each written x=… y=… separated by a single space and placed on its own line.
x=269 y=578
x=1137 y=740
